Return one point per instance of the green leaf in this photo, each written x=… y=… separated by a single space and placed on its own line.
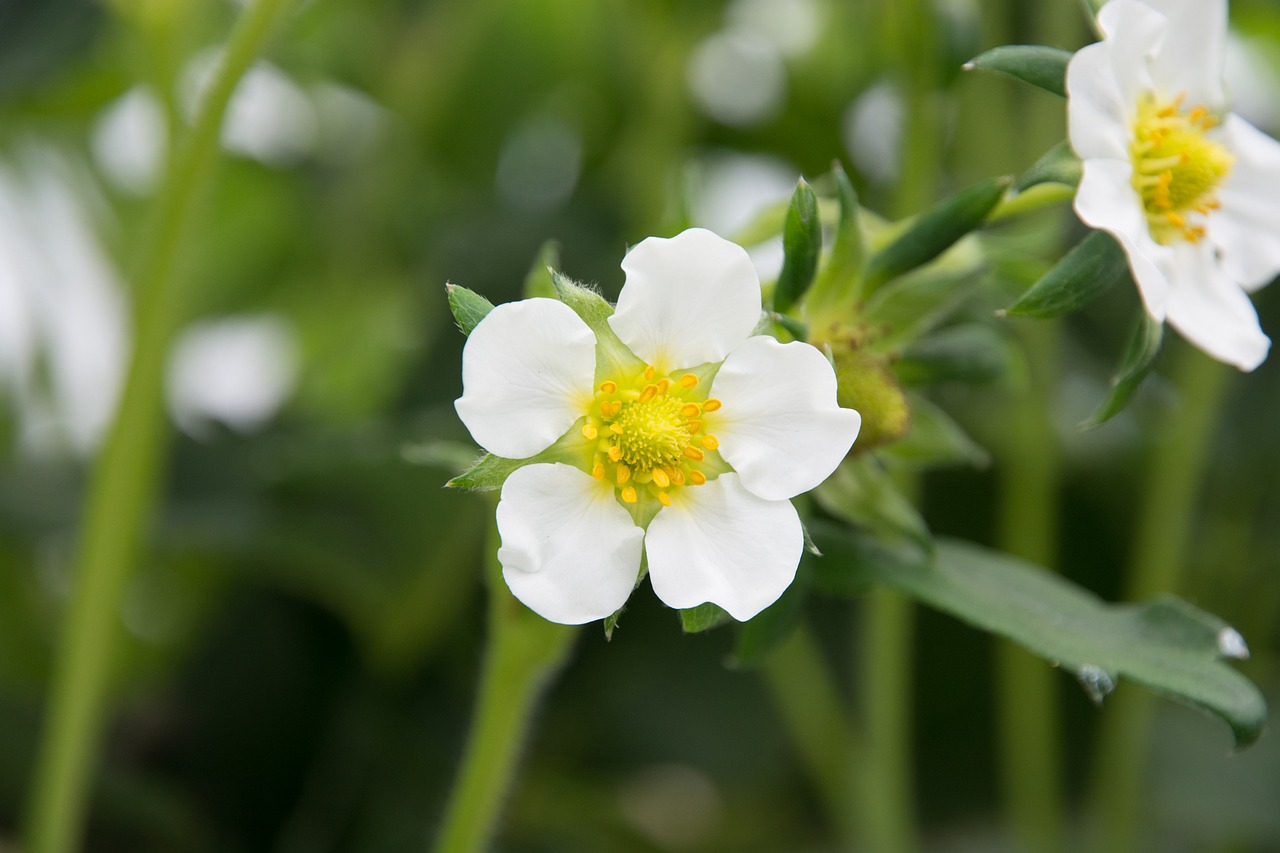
x=537 y=283
x=704 y=617
x=1135 y=364
x=1087 y=271
x=1167 y=645
x=934 y=232
x=801 y=244
x=935 y=440
x=1059 y=165
x=972 y=353
x=489 y=473
x=468 y=307
x=1041 y=66
x=863 y=494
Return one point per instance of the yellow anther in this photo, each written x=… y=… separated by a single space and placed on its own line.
x=660 y=477
x=663 y=385
x=615 y=453
x=664 y=498
x=616 y=429
x=710 y=405
x=693 y=426
x=688 y=380
x=696 y=477
x=676 y=475
x=710 y=442
x=611 y=408
x=629 y=494
x=690 y=411
x=598 y=471
x=589 y=432
x=648 y=372
x=694 y=453
x=649 y=392
x=1175 y=220
x=624 y=474
x=609 y=386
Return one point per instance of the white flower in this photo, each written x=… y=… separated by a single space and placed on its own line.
x=690 y=434
x=1191 y=191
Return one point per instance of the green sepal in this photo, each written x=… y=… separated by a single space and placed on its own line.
x=839 y=278
x=1041 y=66
x=863 y=494
x=934 y=232
x=613 y=357
x=489 y=473
x=1165 y=645
x=537 y=282
x=1058 y=165
x=704 y=617
x=801 y=245
x=935 y=440
x=467 y=306
x=1135 y=364
x=1096 y=264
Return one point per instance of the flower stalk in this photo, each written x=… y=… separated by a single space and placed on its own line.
x=125 y=481
x=523 y=655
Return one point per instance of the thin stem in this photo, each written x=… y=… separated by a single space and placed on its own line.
x=125 y=480
x=1026 y=688
x=524 y=652
x=886 y=788
x=807 y=699
x=1164 y=532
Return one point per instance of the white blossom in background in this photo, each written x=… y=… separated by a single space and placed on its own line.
x=64 y=334
x=237 y=371
x=1189 y=189
x=130 y=139
x=692 y=436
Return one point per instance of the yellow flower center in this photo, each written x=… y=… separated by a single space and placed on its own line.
x=1176 y=167
x=651 y=434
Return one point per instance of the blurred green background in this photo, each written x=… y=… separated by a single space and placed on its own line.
x=304 y=633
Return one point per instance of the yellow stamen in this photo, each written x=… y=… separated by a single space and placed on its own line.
x=664 y=498
x=616 y=429
x=623 y=474
x=688 y=380
x=589 y=432
x=615 y=453
x=693 y=426
x=710 y=405
x=648 y=372
x=696 y=477
x=663 y=385
x=629 y=494
x=694 y=453
x=690 y=410
x=660 y=477
x=649 y=392
x=710 y=442
x=609 y=386
x=598 y=471
x=676 y=475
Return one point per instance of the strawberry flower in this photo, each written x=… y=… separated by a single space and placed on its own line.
x=1190 y=190
x=688 y=437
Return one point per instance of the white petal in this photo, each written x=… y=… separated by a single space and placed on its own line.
x=1134 y=33
x=569 y=550
x=1097 y=116
x=1247 y=228
x=528 y=370
x=780 y=427
x=1212 y=311
x=720 y=543
x=1192 y=52
x=687 y=300
x=1106 y=200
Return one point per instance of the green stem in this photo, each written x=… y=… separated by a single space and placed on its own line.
x=125 y=480
x=886 y=789
x=524 y=652
x=1026 y=688
x=806 y=696
x=1160 y=544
